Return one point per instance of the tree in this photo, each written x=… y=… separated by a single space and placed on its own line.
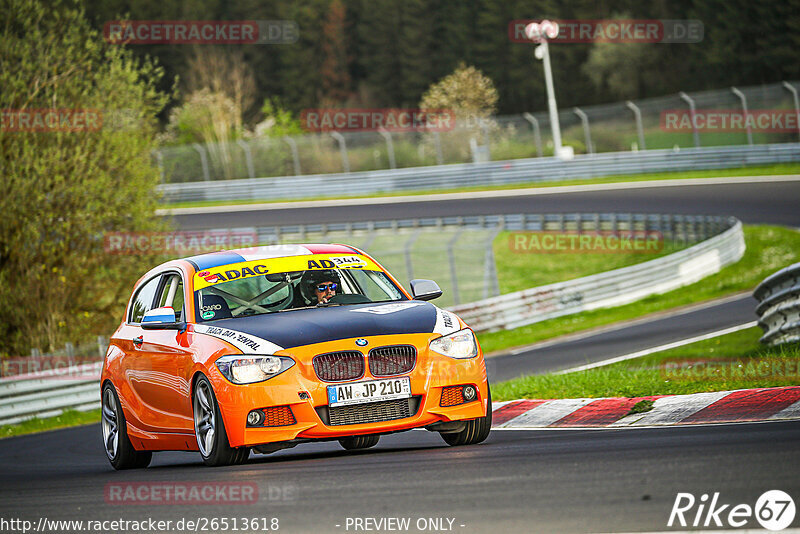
x=466 y=91
x=335 y=63
x=63 y=190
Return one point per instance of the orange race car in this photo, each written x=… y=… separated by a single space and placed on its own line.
x=269 y=347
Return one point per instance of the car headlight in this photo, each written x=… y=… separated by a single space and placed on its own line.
x=460 y=345
x=247 y=369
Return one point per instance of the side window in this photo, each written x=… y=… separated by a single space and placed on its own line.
x=143 y=301
x=172 y=294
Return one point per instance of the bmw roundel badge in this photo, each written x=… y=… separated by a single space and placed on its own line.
x=361 y=342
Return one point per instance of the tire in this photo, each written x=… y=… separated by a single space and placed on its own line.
x=117 y=444
x=209 y=428
x=476 y=430
x=359 y=442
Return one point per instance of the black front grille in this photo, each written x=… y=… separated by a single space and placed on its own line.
x=392 y=360
x=335 y=366
x=371 y=412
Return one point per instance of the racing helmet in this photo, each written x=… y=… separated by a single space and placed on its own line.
x=314 y=278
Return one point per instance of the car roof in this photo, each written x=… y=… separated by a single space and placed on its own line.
x=226 y=257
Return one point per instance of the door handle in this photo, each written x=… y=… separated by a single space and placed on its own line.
x=138 y=341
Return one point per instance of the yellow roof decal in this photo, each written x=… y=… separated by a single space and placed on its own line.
x=248 y=269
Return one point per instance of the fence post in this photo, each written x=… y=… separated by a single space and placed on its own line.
x=637 y=115
x=343 y=150
x=438 y=142
x=692 y=111
x=489 y=269
x=451 y=258
x=744 y=109
x=407 y=251
x=389 y=147
x=789 y=87
x=295 y=157
x=537 y=136
x=160 y=164
x=248 y=157
x=587 y=136
x=203 y=160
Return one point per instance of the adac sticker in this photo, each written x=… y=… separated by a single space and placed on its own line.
x=249 y=269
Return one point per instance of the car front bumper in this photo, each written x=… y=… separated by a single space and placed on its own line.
x=431 y=373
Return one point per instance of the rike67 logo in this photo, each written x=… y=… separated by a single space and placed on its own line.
x=774 y=510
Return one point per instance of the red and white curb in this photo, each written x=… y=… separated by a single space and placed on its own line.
x=744 y=405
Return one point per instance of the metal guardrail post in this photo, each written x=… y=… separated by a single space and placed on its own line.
x=637 y=115
x=203 y=160
x=537 y=136
x=295 y=156
x=389 y=147
x=248 y=157
x=585 y=122
x=692 y=112
x=789 y=87
x=743 y=99
x=342 y=150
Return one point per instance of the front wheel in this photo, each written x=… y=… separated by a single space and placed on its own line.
x=476 y=430
x=212 y=439
x=119 y=449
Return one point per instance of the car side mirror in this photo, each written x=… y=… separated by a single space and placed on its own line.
x=161 y=319
x=425 y=289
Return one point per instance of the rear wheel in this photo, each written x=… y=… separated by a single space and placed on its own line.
x=119 y=449
x=212 y=439
x=359 y=442
x=476 y=430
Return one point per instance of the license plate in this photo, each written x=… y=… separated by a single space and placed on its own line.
x=369 y=391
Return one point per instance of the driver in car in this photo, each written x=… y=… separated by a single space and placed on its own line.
x=323 y=285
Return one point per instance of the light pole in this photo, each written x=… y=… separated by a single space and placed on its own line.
x=540 y=32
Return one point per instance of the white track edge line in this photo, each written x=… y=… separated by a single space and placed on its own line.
x=659 y=348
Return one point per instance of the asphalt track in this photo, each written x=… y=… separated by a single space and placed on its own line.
x=516 y=482
x=754 y=203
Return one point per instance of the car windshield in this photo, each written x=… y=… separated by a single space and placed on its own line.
x=287 y=291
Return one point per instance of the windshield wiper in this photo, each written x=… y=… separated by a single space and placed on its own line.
x=311 y=307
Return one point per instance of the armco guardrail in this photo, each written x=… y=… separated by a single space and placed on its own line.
x=611 y=288
x=49 y=393
x=779 y=306
x=482 y=174
x=77 y=387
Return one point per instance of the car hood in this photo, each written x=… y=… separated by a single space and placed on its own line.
x=318 y=325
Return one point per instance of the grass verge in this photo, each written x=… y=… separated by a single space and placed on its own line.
x=732 y=361
x=68 y=418
x=769 y=248
x=761 y=170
